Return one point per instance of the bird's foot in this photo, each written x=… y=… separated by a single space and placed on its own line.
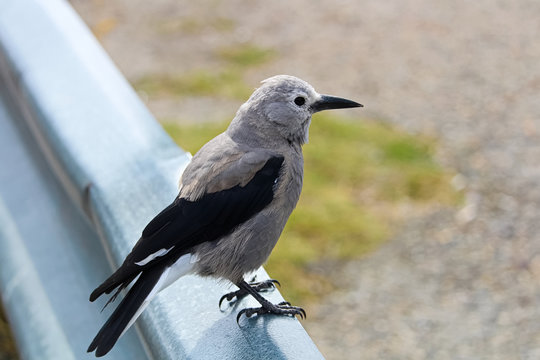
x=283 y=308
x=261 y=286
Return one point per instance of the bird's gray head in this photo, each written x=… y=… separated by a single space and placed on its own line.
x=281 y=109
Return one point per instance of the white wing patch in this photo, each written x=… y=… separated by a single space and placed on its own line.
x=151 y=257
x=183 y=266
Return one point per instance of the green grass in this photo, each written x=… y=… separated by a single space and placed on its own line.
x=358 y=174
x=244 y=55
x=226 y=84
x=224 y=81
x=193 y=136
x=8 y=350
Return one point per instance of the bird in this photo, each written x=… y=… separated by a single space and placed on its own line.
x=235 y=197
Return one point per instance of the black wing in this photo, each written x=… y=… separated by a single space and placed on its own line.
x=184 y=224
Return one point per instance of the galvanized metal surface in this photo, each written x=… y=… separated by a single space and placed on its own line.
x=85 y=161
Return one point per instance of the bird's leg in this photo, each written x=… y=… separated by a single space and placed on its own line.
x=283 y=308
x=260 y=286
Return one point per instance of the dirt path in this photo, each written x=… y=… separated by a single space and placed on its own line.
x=450 y=286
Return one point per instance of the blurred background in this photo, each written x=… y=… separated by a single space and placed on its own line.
x=416 y=234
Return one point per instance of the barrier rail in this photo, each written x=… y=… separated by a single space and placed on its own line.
x=84 y=167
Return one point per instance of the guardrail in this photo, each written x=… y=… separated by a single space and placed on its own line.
x=84 y=167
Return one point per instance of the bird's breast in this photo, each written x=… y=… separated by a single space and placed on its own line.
x=291 y=179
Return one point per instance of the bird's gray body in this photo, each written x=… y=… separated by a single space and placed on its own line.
x=233 y=157
x=253 y=242
x=235 y=198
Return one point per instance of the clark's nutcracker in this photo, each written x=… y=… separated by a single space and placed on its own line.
x=235 y=197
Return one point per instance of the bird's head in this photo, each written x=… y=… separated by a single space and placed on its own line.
x=282 y=107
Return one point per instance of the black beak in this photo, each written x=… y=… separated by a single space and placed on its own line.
x=327 y=102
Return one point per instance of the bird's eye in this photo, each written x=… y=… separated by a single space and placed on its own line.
x=299 y=101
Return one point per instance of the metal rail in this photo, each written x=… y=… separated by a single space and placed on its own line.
x=84 y=167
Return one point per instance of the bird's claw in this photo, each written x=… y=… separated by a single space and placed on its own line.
x=283 y=308
x=265 y=285
x=272 y=283
x=228 y=296
x=261 y=286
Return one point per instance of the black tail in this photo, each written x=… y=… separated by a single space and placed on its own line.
x=126 y=310
x=118 y=280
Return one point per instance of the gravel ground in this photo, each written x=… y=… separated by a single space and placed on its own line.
x=454 y=284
